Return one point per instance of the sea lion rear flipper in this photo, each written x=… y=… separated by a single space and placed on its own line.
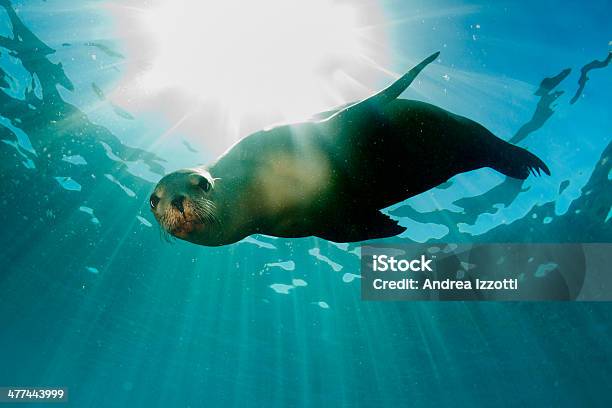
x=362 y=226
x=516 y=162
x=391 y=92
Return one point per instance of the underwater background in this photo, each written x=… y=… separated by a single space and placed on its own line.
x=93 y=300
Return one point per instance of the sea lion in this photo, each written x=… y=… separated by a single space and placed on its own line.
x=330 y=177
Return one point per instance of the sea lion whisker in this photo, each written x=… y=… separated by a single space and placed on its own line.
x=205 y=210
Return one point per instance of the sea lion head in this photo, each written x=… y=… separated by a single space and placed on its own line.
x=183 y=204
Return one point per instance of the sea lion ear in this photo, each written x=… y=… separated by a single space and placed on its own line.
x=202 y=181
x=391 y=92
x=204 y=184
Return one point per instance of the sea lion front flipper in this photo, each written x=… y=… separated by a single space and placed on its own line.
x=362 y=226
x=391 y=92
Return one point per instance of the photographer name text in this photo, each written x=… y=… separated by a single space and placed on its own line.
x=384 y=263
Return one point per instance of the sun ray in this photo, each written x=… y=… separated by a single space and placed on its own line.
x=269 y=57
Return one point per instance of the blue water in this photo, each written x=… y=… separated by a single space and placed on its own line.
x=93 y=300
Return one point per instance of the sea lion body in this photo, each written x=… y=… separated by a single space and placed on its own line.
x=330 y=177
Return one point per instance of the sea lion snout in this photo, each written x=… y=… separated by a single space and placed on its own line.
x=178 y=202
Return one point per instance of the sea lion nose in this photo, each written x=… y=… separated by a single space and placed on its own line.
x=178 y=203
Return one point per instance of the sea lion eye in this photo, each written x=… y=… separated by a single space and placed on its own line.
x=154 y=200
x=204 y=184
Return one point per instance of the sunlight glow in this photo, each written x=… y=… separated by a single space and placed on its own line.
x=272 y=54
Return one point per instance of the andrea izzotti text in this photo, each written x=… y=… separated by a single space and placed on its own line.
x=435 y=272
x=384 y=263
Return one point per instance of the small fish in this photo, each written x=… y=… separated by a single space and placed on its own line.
x=144 y=221
x=98 y=91
x=122 y=112
x=189 y=147
x=105 y=49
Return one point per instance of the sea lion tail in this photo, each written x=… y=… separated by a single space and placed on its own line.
x=518 y=163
